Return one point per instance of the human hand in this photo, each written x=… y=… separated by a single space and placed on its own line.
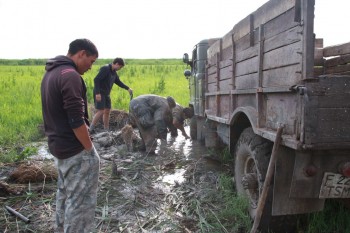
x=98 y=97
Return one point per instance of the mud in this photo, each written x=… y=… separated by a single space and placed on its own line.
x=172 y=191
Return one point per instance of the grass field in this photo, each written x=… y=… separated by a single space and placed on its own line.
x=21 y=105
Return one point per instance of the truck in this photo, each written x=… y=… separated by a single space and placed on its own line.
x=270 y=71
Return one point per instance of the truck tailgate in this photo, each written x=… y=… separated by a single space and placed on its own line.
x=327 y=113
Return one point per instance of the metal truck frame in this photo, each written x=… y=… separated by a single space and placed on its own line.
x=270 y=71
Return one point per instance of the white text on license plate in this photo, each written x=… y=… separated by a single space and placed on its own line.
x=335 y=186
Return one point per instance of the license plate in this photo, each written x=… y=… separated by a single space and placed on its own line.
x=335 y=186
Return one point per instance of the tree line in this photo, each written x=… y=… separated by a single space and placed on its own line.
x=42 y=61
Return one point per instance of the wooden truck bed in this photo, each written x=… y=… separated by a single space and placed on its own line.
x=266 y=64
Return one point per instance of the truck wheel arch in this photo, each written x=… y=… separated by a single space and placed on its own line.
x=242 y=118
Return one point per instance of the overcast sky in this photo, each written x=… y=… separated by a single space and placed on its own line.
x=138 y=28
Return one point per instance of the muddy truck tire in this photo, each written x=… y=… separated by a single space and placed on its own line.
x=197 y=131
x=193 y=128
x=252 y=156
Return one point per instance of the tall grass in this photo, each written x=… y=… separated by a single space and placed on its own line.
x=20 y=106
x=20 y=101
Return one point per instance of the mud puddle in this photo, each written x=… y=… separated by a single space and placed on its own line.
x=171 y=191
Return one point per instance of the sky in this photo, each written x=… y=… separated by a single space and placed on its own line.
x=138 y=28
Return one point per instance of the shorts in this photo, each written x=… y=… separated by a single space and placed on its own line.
x=104 y=103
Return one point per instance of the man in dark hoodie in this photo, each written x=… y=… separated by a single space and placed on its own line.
x=103 y=83
x=64 y=108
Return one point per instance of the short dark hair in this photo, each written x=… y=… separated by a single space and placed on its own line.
x=119 y=60
x=82 y=44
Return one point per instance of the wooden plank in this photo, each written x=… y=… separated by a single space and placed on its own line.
x=225 y=73
x=319 y=43
x=225 y=85
x=332 y=131
x=326 y=107
x=281 y=107
x=212 y=78
x=246 y=27
x=263 y=14
x=225 y=63
x=337 y=69
x=224 y=105
x=218 y=71
x=340 y=60
x=211 y=103
x=212 y=87
x=319 y=60
x=211 y=70
x=251 y=33
x=280 y=24
x=247 y=54
x=247 y=81
x=283 y=76
x=336 y=50
x=285 y=38
x=226 y=53
x=260 y=97
x=284 y=56
x=247 y=100
x=247 y=66
x=334 y=100
x=242 y=43
x=308 y=9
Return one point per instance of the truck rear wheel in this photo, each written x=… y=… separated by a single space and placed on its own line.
x=197 y=129
x=193 y=128
x=252 y=156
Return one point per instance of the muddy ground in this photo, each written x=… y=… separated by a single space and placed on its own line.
x=176 y=190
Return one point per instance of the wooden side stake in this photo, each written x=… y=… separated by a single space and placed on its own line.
x=267 y=182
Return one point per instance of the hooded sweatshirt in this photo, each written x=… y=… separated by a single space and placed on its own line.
x=64 y=106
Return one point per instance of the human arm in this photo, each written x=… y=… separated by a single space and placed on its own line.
x=74 y=104
x=121 y=84
x=83 y=136
x=180 y=126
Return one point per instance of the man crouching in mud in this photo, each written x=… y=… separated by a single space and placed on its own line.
x=155 y=115
x=64 y=107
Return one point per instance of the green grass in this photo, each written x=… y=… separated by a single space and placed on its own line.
x=333 y=219
x=20 y=101
x=234 y=217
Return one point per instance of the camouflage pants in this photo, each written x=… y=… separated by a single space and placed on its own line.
x=76 y=196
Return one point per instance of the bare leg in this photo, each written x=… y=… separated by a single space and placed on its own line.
x=96 y=118
x=106 y=118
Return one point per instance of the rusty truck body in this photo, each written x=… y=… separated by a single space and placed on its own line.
x=270 y=71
